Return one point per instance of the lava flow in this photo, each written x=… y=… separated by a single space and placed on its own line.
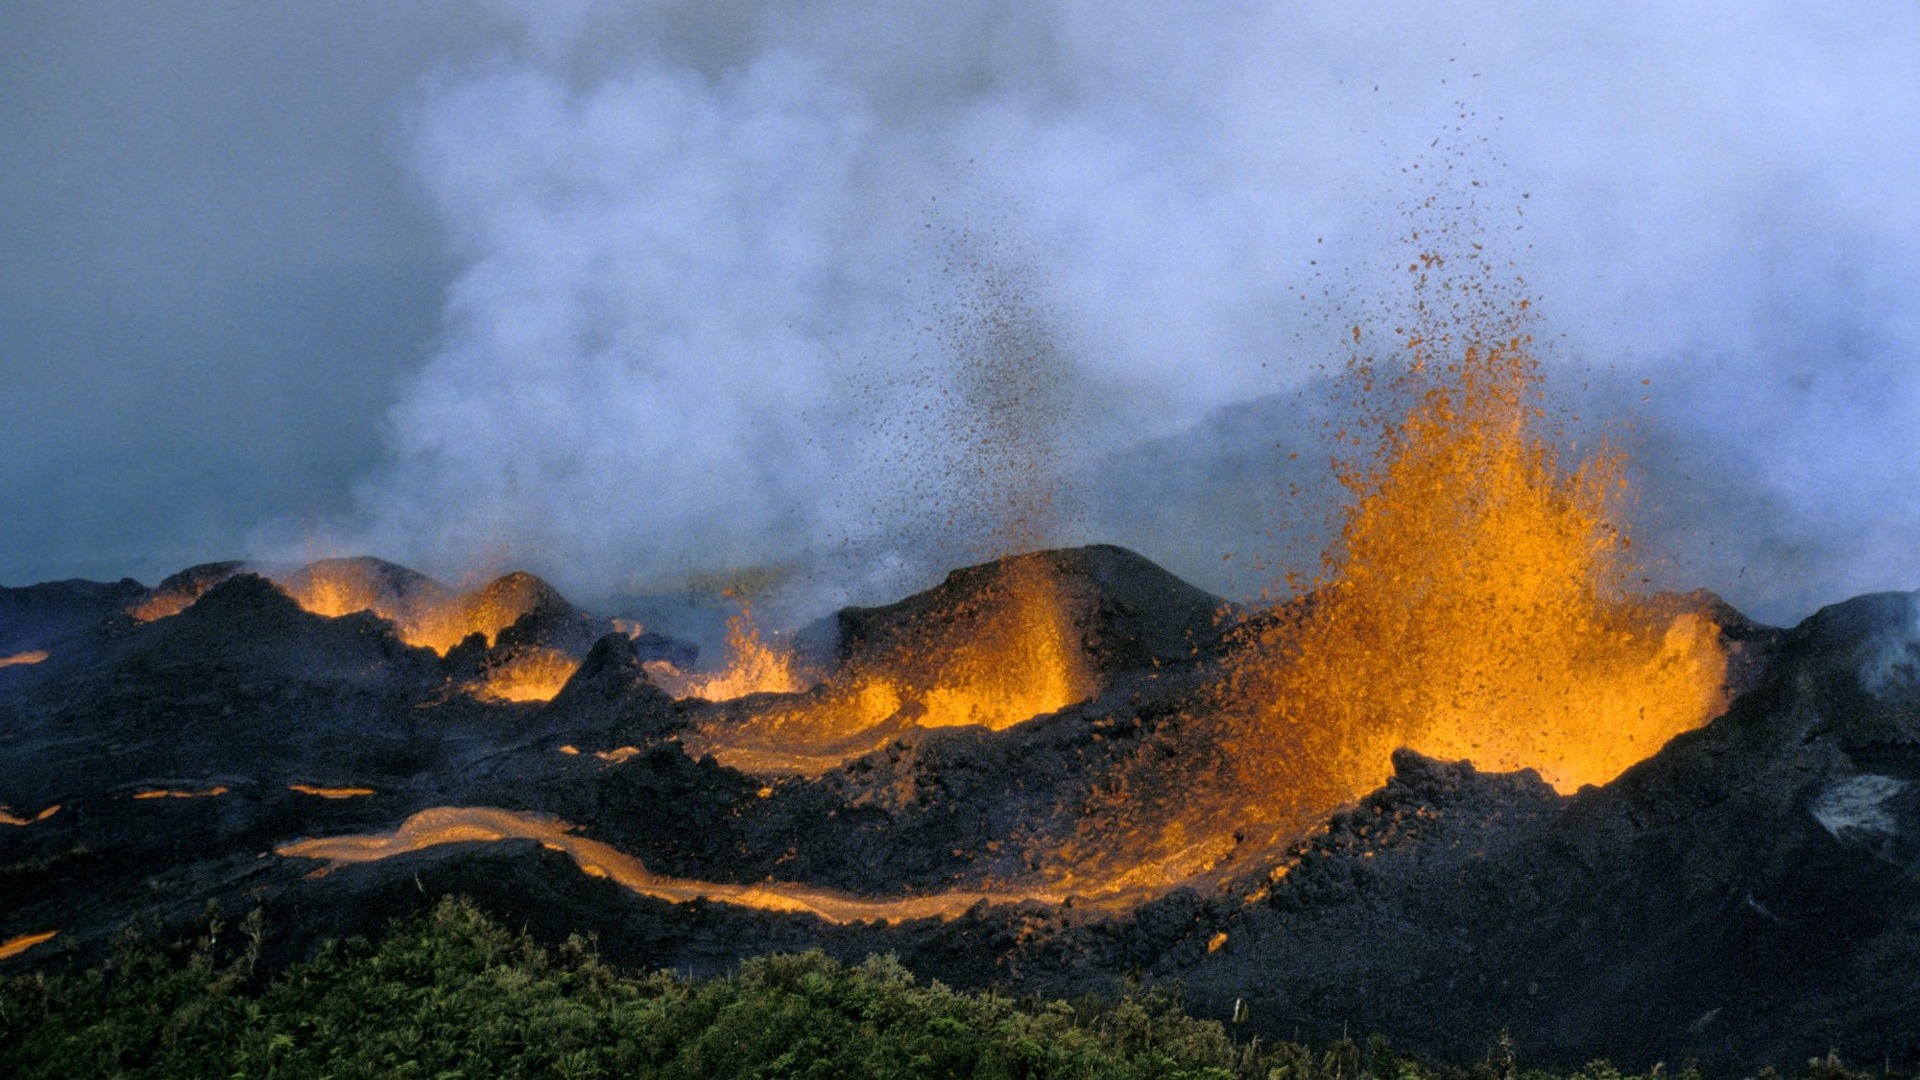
x=470 y=824
x=8 y=817
x=34 y=656
x=331 y=792
x=15 y=946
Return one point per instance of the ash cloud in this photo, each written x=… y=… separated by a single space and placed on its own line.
x=707 y=251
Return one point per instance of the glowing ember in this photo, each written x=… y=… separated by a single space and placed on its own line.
x=331 y=792
x=180 y=793
x=13 y=947
x=458 y=825
x=528 y=675
x=33 y=657
x=8 y=817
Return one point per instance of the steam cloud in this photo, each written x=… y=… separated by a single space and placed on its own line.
x=715 y=256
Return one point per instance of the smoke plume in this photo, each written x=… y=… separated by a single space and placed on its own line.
x=714 y=254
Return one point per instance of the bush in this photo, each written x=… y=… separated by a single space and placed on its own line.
x=452 y=994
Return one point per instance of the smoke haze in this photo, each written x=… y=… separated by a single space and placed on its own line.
x=721 y=270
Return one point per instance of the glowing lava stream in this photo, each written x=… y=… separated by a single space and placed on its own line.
x=331 y=792
x=469 y=824
x=13 y=947
x=33 y=657
x=8 y=817
x=175 y=793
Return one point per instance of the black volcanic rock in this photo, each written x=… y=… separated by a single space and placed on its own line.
x=42 y=617
x=391 y=585
x=547 y=620
x=1131 y=613
x=249 y=621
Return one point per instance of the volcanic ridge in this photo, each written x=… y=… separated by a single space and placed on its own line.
x=1031 y=777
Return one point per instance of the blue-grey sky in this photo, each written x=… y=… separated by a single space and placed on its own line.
x=621 y=292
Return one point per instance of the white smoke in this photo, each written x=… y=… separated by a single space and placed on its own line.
x=707 y=249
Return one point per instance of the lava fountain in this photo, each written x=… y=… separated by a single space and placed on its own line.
x=1474 y=605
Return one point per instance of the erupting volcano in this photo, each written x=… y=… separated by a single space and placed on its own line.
x=1054 y=766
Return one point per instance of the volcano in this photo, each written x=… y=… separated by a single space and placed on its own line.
x=1743 y=895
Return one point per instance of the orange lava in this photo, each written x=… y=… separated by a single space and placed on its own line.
x=427 y=614
x=331 y=792
x=13 y=947
x=423 y=611
x=34 y=656
x=1474 y=606
x=8 y=817
x=529 y=675
x=458 y=825
x=163 y=605
x=754 y=666
x=1002 y=655
x=180 y=793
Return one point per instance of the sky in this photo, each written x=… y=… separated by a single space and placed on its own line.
x=633 y=293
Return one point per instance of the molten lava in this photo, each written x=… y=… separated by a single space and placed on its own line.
x=1005 y=654
x=531 y=674
x=8 y=817
x=424 y=612
x=34 y=656
x=1474 y=606
x=754 y=666
x=331 y=792
x=459 y=825
x=13 y=947
x=181 y=793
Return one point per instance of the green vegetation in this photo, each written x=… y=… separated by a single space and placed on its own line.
x=452 y=994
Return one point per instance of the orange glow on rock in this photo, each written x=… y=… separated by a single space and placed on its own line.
x=994 y=658
x=33 y=656
x=428 y=615
x=528 y=675
x=181 y=793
